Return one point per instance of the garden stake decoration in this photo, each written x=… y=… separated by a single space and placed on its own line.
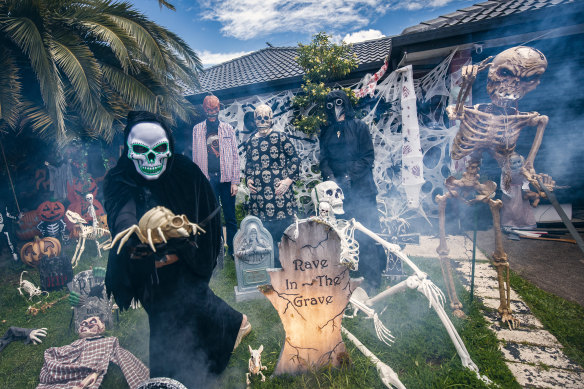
x=329 y=192
x=494 y=128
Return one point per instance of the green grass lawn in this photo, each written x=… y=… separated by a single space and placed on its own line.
x=423 y=355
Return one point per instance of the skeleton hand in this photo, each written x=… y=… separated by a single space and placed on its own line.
x=282 y=186
x=35 y=335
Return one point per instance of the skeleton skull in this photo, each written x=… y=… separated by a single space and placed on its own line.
x=281 y=215
x=265 y=161
x=89 y=198
x=289 y=149
x=264 y=145
x=260 y=201
x=325 y=210
x=91 y=327
x=263 y=117
x=270 y=209
x=280 y=201
x=274 y=152
x=328 y=192
x=274 y=138
x=266 y=176
x=268 y=193
x=149 y=148
x=514 y=73
x=255 y=154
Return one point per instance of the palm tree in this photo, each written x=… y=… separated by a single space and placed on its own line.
x=75 y=67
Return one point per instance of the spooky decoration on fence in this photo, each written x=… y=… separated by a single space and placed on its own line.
x=27 y=226
x=360 y=301
x=310 y=293
x=55 y=272
x=28 y=335
x=254 y=365
x=88 y=297
x=493 y=128
x=158 y=225
x=253 y=255
x=171 y=283
x=101 y=236
x=4 y=230
x=32 y=252
x=84 y=363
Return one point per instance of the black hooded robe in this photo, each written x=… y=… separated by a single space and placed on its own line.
x=192 y=331
x=346 y=157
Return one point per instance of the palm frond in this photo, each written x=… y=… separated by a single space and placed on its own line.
x=110 y=37
x=10 y=89
x=137 y=94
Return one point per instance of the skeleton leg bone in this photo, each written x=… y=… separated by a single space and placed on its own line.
x=443 y=251
x=386 y=373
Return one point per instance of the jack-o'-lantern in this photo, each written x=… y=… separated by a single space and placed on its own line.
x=77 y=190
x=51 y=211
x=32 y=252
x=27 y=226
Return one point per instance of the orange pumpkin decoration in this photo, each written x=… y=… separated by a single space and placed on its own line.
x=32 y=252
x=27 y=226
x=51 y=211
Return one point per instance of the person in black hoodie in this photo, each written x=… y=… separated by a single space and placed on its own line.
x=192 y=331
x=346 y=157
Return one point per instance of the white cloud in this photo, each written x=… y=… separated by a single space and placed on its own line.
x=210 y=59
x=246 y=19
x=363 y=35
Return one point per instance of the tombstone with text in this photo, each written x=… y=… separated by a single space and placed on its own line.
x=254 y=254
x=310 y=293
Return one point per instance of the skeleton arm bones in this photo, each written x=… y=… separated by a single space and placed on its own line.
x=469 y=74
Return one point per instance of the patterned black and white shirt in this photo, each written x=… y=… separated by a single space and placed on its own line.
x=270 y=159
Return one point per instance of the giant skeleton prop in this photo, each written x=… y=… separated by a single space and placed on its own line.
x=493 y=128
x=328 y=200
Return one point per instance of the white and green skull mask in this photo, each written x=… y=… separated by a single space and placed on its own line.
x=149 y=148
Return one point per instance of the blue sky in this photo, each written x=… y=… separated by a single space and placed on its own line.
x=219 y=30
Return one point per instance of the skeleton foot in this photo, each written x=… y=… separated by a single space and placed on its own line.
x=457 y=311
x=509 y=319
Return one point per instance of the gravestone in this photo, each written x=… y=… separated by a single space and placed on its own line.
x=254 y=253
x=310 y=293
x=93 y=301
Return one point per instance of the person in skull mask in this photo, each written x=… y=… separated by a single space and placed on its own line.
x=189 y=325
x=271 y=167
x=215 y=152
x=346 y=157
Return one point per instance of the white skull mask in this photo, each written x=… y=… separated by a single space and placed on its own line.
x=149 y=148
x=328 y=192
x=263 y=117
x=514 y=73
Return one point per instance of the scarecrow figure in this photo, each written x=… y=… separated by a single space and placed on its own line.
x=189 y=325
x=84 y=363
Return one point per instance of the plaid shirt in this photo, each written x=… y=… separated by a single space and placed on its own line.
x=228 y=157
x=65 y=367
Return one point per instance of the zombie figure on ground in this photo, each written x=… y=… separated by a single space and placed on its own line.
x=189 y=325
x=271 y=167
x=346 y=157
x=215 y=152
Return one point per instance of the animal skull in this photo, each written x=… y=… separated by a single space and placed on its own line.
x=263 y=117
x=514 y=73
x=328 y=192
x=149 y=148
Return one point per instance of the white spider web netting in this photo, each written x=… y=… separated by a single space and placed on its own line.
x=382 y=112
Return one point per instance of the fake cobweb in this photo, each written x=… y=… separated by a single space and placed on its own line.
x=382 y=113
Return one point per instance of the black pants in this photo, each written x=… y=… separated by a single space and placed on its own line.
x=222 y=192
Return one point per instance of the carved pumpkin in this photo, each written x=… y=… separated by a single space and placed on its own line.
x=51 y=211
x=77 y=190
x=27 y=226
x=32 y=252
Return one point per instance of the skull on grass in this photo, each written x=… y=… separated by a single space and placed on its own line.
x=514 y=73
x=328 y=192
